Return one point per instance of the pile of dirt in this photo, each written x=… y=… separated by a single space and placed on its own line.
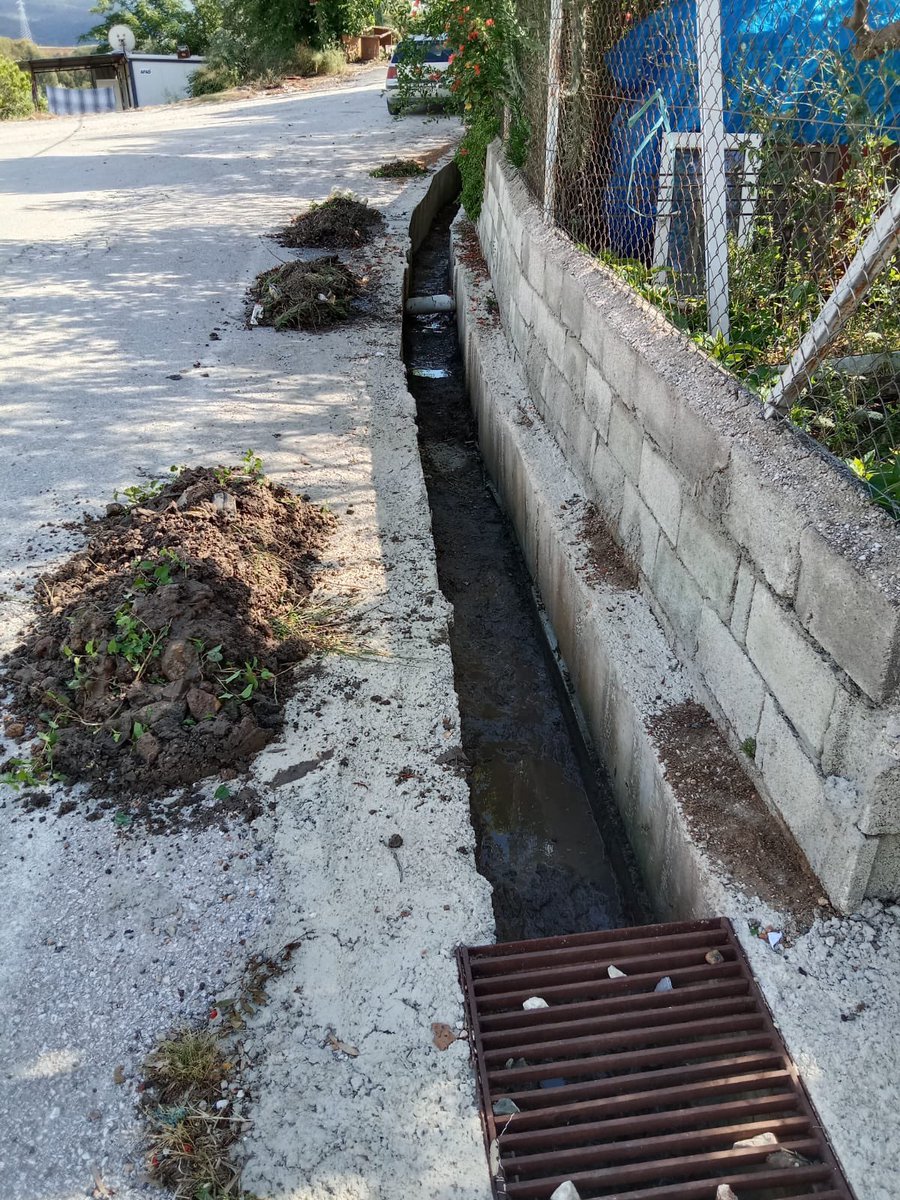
x=727 y=816
x=306 y=295
x=607 y=562
x=340 y=221
x=164 y=651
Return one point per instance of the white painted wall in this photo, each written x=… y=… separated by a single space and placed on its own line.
x=160 y=80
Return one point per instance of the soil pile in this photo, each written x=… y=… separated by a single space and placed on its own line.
x=306 y=295
x=163 y=651
x=340 y=222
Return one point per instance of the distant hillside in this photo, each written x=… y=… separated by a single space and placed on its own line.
x=53 y=22
x=19 y=50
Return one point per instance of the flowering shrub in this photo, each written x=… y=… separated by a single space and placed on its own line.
x=481 y=35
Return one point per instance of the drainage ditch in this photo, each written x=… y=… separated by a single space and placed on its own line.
x=549 y=837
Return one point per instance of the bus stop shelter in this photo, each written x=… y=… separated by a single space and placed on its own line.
x=106 y=70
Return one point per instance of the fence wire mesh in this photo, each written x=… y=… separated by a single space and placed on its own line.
x=730 y=159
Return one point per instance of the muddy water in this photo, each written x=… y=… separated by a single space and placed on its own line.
x=548 y=836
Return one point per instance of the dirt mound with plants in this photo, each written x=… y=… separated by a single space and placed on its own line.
x=341 y=222
x=164 y=651
x=399 y=168
x=305 y=295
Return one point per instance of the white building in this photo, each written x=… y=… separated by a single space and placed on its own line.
x=160 y=78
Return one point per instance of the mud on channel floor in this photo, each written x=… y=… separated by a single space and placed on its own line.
x=549 y=838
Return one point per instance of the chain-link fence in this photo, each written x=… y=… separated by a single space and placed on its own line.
x=731 y=160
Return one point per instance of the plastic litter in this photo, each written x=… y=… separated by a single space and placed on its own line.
x=664 y=985
x=787 y=1158
x=565 y=1191
x=761 y=1139
x=504 y=1107
x=774 y=938
x=256 y=314
x=615 y=973
x=535 y=1002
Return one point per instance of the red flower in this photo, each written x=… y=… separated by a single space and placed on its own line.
x=451 y=58
x=490 y=23
x=213 y=1013
x=188 y=1148
x=477 y=69
x=473 y=35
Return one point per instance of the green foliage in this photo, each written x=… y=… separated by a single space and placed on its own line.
x=309 y=61
x=134 y=641
x=151 y=575
x=242 y=683
x=31 y=772
x=882 y=477
x=160 y=26
x=207 y=80
x=15 y=92
x=251 y=468
x=483 y=35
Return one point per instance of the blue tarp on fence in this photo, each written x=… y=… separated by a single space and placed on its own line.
x=788 y=58
x=63 y=100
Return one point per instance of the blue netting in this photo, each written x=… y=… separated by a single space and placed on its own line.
x=782 y=57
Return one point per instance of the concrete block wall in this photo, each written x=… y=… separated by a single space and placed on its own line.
x=775 y=581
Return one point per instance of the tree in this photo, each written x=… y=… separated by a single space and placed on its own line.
x=277 y=25
x=202 y=23
x=160 y=26
x=15 y=91
x=871 y=43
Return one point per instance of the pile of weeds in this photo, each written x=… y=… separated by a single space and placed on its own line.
x=165 y=650
x=306 y=295
x=191 y=1129
x=341 y=221
x=399 y=168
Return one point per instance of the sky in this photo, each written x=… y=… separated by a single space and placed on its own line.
x=53 y=22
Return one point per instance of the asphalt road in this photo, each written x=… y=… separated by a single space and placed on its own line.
x=128 y=244
x=125 y=240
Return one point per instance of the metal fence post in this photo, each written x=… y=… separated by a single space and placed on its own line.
x=553 y=74
x=872 y=257
x=712 y=163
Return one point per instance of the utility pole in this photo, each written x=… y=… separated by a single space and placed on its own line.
x=24 y=27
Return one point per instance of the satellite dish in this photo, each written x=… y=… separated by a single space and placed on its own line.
x=121 y=38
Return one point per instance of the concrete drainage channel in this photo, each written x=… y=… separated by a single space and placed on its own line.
x=549 y=838
x=552 y=844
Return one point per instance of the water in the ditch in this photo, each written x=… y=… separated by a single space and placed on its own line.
x=538 y=802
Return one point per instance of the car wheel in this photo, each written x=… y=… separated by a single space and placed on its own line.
x=393 y=106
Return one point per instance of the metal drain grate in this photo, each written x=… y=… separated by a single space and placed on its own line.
x=634 y=1093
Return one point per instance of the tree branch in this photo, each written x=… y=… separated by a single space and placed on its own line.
x=871 y=43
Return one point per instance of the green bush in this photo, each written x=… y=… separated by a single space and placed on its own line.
x=15 y=92
x=207 y=80
x=330 y=61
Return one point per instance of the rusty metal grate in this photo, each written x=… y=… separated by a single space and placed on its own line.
x=635 y=1093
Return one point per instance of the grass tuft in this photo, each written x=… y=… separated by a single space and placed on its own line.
x=188 y=1065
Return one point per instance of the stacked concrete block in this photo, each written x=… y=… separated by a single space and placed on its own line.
x=774 y=579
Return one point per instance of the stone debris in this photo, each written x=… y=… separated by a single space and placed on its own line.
x=535 y=1002
x=565 y=1191
x=615 y=973
x=505 y=1107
